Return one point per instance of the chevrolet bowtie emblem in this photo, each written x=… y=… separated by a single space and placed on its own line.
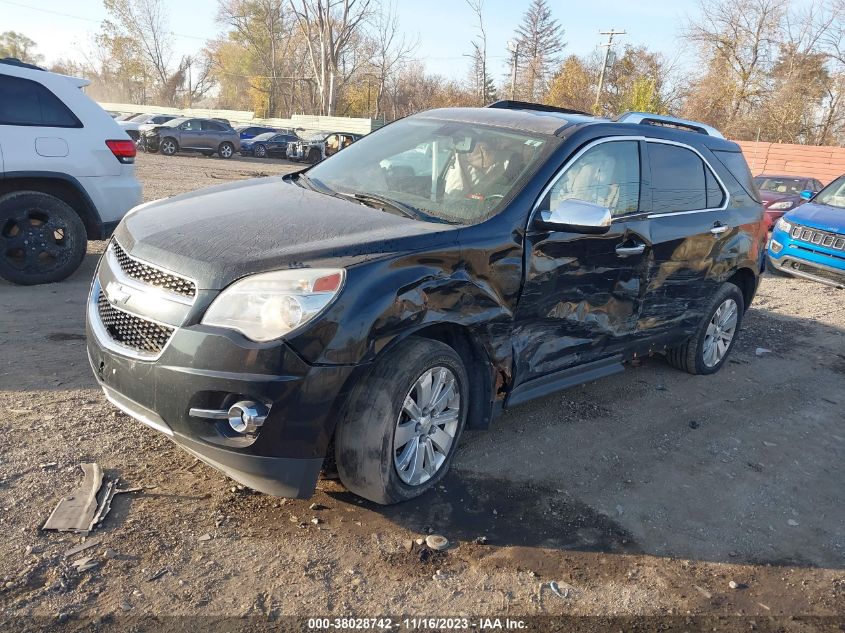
x=117 y=293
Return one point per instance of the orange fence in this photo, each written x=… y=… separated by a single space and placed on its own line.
x=823 y=163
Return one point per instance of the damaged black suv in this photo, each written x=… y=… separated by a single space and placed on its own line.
x=450 y=265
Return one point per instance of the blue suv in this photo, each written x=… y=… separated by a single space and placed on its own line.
x=810 y=241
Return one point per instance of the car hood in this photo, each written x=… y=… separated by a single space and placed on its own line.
x=220 y=234
x=770 y=197
x=819 y=216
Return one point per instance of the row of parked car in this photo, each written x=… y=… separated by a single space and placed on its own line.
x=169 y=134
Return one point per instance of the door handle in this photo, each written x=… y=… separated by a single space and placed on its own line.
x=626 y=251
x=718 y=229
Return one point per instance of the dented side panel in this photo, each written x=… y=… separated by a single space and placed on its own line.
x=581 y=299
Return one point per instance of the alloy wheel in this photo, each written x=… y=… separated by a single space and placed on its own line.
x=226 y=150
x=33 y=241
x=168 y=148
x=426 y=426
x=260 y=151
x=720 y=332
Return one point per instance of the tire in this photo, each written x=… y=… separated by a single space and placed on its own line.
x=168 y=146
x=314 y=155
x=369 y=461
x=260 y=151
x=226 y=150
x=42 y=239
x=694 y=356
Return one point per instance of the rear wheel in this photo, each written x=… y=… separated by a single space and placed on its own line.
x=168 y=146
x=260 y=151
x=42 y=239
x=707 y=350
x=402 y=426
x=226 y=150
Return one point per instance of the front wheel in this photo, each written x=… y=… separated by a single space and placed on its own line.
x=314 y=156
x=168 y=146
x=225 y=150
x=260 y=151
x=403 y=423
x=42 y=239
x=707 y=350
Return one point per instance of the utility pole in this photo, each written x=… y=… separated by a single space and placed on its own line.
x=610 y=35
x=513 y=47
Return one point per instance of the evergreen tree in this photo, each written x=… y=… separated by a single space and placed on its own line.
x=540 y=44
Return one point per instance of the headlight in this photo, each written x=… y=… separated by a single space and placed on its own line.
x=267 y=306
x=784 y=204
x=783 y=225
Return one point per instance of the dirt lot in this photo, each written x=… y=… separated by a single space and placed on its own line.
x=641 y=495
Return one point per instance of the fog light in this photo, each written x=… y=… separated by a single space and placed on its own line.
x=776 y=246
x=247 y=416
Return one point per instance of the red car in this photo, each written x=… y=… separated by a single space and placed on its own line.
x=783 y=193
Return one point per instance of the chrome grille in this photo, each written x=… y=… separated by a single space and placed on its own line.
x=130 y=330
x=835 y=241
x=151 y=275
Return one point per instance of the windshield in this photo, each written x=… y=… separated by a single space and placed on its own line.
x=833 y=195
x=174 y=122
x=455 y=172
x=140 y=118
x=266 y=136
x=781 y=185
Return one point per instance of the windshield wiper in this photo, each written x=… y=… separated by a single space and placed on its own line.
x=383 y=202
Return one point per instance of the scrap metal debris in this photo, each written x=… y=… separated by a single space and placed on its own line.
x=560 y=592
x=88 y=544
x=84 y=564
x=86 y=508
x=75 y=512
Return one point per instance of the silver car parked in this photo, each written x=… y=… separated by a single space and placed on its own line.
x=206 y=136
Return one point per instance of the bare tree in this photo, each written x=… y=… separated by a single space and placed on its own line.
x=145 y=22
x=391 y=51
x=737 y=39
x=481 y=80
x=329 y=27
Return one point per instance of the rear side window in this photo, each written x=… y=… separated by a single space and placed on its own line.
x=677 y=177
x=681 y=181
x=28 y=103
x=735 y=162
x=213 y=126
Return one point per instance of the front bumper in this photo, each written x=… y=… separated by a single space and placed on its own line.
x=202 y=367
x=806 y=259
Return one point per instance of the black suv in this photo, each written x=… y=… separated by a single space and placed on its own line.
x=450 y=265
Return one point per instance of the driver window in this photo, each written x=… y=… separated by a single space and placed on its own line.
x=607 y=175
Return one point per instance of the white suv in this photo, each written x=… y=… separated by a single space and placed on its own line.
x=66 y=173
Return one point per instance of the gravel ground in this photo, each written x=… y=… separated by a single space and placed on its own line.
x=640 y=495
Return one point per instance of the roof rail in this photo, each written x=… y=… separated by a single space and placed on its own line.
x=647 y=118
x=14 y=61
x=510 y=104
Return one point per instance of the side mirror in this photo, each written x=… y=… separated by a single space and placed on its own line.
x=807 y=194
x=577 y=216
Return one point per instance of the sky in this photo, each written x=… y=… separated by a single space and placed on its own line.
x=443 y=28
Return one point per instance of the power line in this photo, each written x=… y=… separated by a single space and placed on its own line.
x=80 y=17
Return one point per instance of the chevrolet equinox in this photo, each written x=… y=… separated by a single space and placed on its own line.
x=453 y=264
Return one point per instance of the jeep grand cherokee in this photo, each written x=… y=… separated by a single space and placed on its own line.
x=446 y=267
